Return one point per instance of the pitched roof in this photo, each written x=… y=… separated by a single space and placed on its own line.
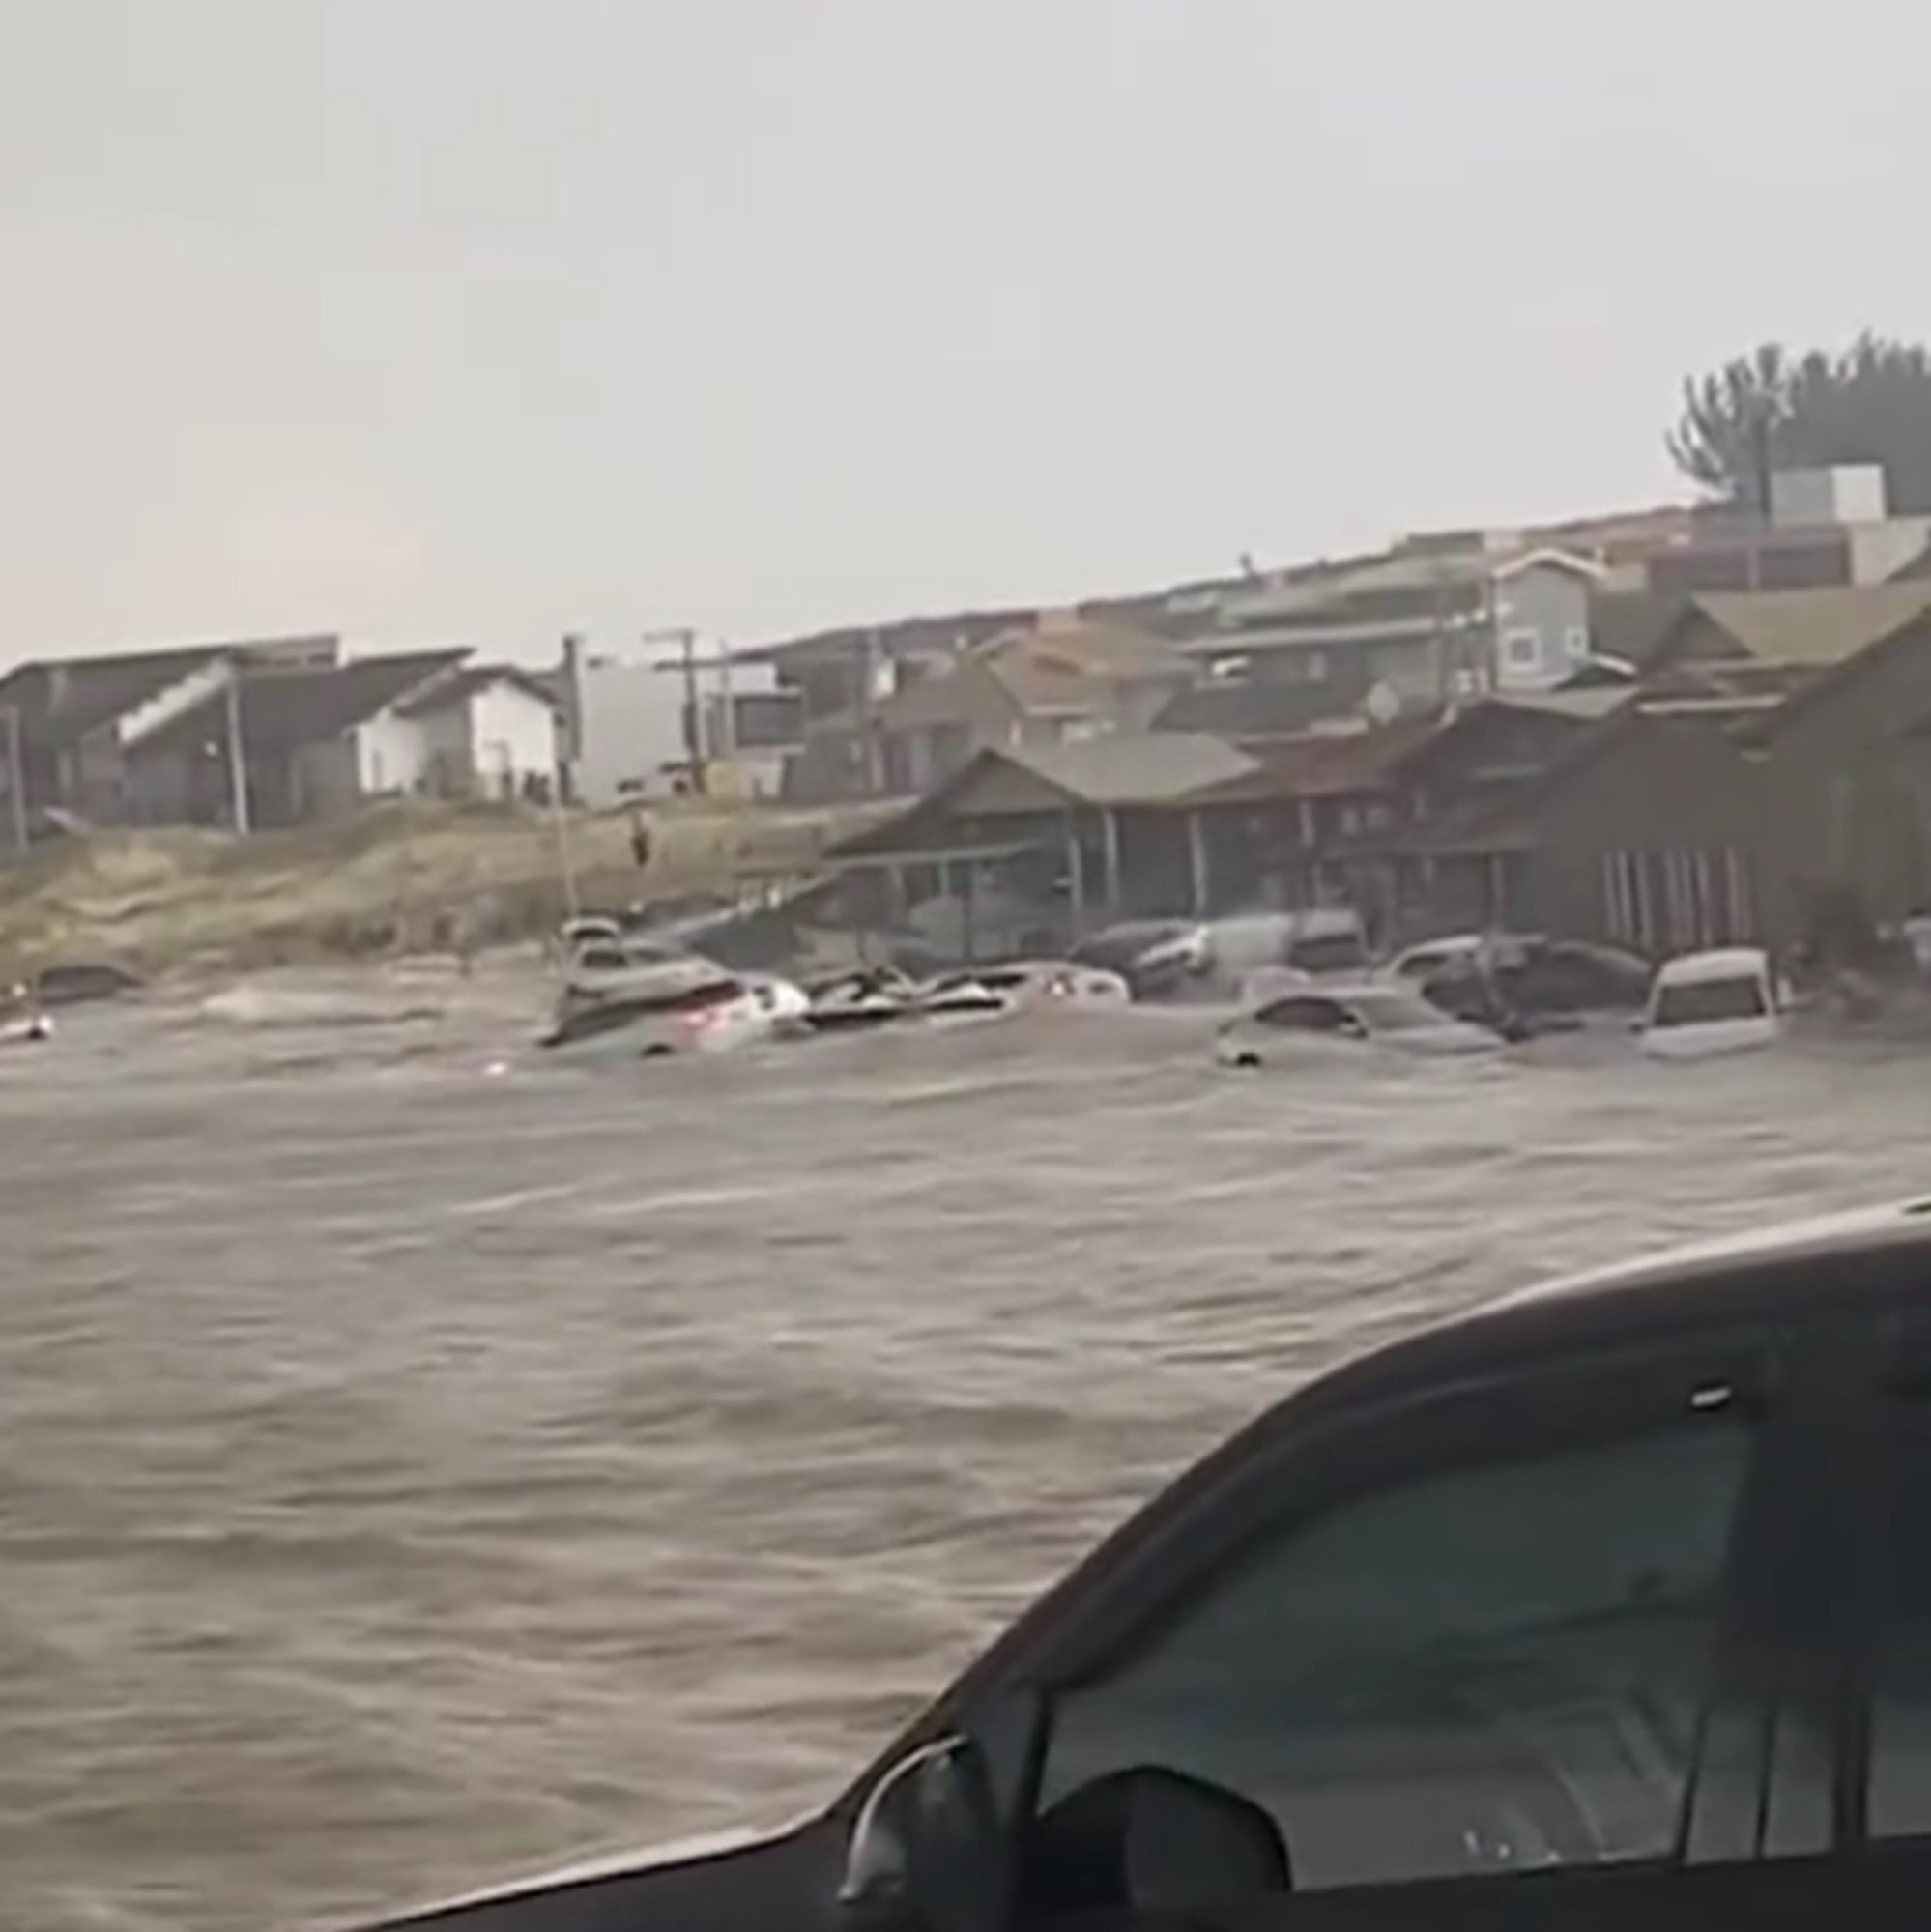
x=1821 y=626
x=1330 y=764
x=1633 y=626
x=62 y=700
x=967 y=694
x=1072 y=670
x=281 y=709
x=59 y=704
x=473 y=678
x=1256 y=708
x=1131 y=769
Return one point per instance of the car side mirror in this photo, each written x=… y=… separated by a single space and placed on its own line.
x=929 y=1851
x=1159 y=1844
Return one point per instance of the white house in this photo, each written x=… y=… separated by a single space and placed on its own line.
x=488 y=732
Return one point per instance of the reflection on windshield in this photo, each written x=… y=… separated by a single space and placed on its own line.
x=1698 y=1002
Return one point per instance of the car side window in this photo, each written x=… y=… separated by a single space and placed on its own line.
x=1302 y=1015
x=1897 y=1792
x=1478 y=1671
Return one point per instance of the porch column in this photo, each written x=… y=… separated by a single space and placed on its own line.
x=1196 y=865
x=965 y=900
x=1109 y=829
x=1075 y=874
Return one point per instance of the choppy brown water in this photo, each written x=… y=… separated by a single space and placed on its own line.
x=408 y=1476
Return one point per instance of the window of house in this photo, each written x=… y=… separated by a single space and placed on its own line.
x=1523 y=650
x=1476 y=1672
x=1576 y=643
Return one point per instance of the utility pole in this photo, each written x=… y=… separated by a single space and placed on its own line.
x=238 y=766
x=1760 y=464
x=870 y=780
x=685 y=639
x=17 y=780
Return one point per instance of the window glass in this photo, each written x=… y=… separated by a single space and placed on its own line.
x=1898 y=1795
x=1490 y=1669
x=1696 y=1002
x=1304 y=1016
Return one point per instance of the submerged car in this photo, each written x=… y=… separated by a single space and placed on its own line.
x=1319 y=942
x=1605 y=1606
x=706 y=1016
x=1705 y=1004
x=1542 y=982
x=1022 y=986
x=1155 y=957
x=1316 y=1020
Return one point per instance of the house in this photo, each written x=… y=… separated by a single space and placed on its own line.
x=312 y=742
x=1817 y=626
x=628 y=727
x=1826 y=529
x=1258 y=714
x=78 y=723
x=836 y=677
x=1308 y=802
x=1051 y=685
x=1114 y=827
x=490 y=731
x=1425 y=625
x=1646 y=834
x=1722 y=799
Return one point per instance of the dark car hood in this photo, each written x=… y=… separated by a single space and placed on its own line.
x=728 y=1882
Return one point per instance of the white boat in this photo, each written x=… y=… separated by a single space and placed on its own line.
x=30 y=1030
x=1704 y=1004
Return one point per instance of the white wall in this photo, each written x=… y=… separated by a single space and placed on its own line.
x=391 y=754
x=632 y=721
x=512 y=736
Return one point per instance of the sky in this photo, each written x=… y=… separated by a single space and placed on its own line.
x=479 y=321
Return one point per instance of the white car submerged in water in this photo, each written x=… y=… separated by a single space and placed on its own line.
x=1704 y=1004
x=1025 y=985
x=1310 y=1022
x=709 y=1016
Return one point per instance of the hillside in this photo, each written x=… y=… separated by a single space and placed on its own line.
x=398 y=879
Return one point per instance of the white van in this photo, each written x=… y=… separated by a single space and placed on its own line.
x=1716 y=1002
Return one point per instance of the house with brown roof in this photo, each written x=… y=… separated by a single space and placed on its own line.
x=1042 y=685
x=1723 y=801
x=1123 y=825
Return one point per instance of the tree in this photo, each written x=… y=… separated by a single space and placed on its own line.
x=1869 y=403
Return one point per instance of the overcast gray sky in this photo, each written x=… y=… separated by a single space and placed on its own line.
x=480 y=319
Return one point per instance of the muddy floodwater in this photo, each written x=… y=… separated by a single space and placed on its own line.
x=414 y=1468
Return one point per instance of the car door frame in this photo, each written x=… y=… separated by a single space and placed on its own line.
x=1787 y=1368
x=1880 y=1883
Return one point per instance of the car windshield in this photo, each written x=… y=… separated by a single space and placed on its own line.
x=1699 y=1002
x=1395 y=1012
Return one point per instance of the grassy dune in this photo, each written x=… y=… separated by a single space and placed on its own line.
x=399 y=878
